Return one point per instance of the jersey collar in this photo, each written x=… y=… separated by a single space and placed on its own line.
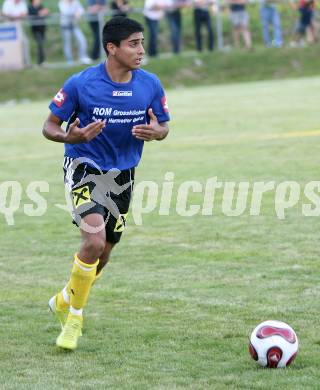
x=106 y=76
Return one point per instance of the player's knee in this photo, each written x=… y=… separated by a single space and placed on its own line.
x=94 y=246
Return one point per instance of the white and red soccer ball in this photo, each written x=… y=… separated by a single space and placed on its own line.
x=273 y=344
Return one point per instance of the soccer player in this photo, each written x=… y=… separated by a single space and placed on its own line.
x=111 y=109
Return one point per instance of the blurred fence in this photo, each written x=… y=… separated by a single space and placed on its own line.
x=220 y=16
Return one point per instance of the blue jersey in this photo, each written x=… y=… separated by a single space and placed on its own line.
x=91 y=95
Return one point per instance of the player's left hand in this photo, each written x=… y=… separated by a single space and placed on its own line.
x=152 y=131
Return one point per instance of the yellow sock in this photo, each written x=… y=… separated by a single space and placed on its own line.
x=61 y=303
x=68 y=288
x=82 y=277
x=63 y=296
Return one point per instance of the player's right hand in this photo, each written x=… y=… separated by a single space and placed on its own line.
x=77 y=135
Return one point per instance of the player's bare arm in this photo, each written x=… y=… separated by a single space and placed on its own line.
x=152 y=131
x=52 y=130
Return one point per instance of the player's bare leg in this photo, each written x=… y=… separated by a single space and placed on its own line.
x=105 y=257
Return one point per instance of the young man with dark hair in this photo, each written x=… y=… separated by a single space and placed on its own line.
x=111 y=109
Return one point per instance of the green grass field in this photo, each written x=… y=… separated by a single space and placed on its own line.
x=176 y=304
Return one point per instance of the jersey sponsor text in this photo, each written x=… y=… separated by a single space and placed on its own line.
x=108 y=111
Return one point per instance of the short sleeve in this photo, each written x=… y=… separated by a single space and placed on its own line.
x=159 y=104
x=65 y=102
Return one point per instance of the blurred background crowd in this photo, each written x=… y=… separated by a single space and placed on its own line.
x=171 y=25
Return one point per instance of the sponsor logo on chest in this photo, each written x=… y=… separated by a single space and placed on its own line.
x=121 y=93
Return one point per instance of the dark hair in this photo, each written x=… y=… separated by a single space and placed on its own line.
x=119 y=28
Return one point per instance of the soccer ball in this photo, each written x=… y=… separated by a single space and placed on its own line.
x=273 y=344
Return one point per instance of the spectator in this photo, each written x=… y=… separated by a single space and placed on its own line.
x=269 y=16
x=70 y=14
x=240 y=23
x=37 y=13
x=173 y=14
x=14 y=9
x=306 y=22
x=95 y=8
x=201 y=17
x=120 y=7
x=153 y=13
